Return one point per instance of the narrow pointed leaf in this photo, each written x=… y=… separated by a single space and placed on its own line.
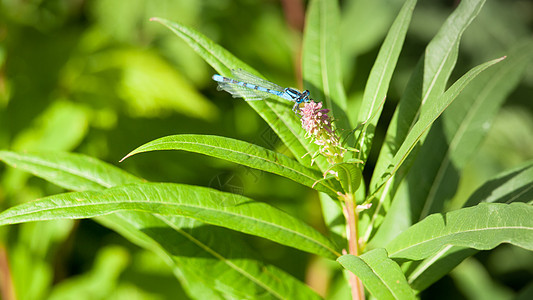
x=242 y=153
x=380 y=275
x=428 y=271
x=451 y=142
x=428 y=80
x=203 y=204
x=321 y=65
x=276 y=113
x=512 y=186
x=464 y=125
x=210 y=253
x=69 y=170
x=425 y=86
x=209 y=256
x=426 y=120
x=481 y=227
x=380 y=76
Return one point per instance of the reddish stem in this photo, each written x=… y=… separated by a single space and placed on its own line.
x=352 y=220
x=6 y=282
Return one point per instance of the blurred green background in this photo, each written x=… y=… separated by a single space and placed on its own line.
x=97 y=77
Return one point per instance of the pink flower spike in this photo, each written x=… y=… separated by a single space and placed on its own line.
x=320 y=129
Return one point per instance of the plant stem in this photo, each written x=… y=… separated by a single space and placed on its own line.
x=352 y=220
x=6 y=281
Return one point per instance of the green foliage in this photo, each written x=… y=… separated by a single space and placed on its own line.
x=381 y=275
x=421 y=190
x=489 y=225
x=242 y=153
x=211 y=207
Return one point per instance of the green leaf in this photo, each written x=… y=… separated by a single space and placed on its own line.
x=203 y=204
x=428 y=80
x=422 y=274
x=451 y=142
x=423 y=90
x=242 y=153
x=321 y=66
x=511 y=186
x=481 y=227
x=380 y=275
x=79 y=172
x=465 y=124
x=349 y=176
x=69 y=170
x=276 y=113
x=426 y=120
x=380 y=76
x=207 y=257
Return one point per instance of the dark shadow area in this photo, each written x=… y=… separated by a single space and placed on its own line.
x=488 y=192
x=432 y=179
x=441 y=266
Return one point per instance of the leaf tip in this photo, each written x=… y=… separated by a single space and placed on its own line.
x=128 y=155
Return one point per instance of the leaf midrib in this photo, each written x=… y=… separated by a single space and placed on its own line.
x=74 y=172
x=457 y=233
x=219 y=256
x=246 y=154
x=172 y=204
x=380 y=82
x=455 y=142
x=214 y=56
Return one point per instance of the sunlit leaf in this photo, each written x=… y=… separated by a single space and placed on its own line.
x=203 y=204
x=69 y=170
x=380 y=76
x=242 y=153
x=428 y=80
x=208 y=258
x=426 y=120
x=421 y=95
x=277 y=113
x=349 y=175
x=452 y=141
x=212 y=255
x=511 y=186
x=481 y=227
x=464 y=125
x=379 y=274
